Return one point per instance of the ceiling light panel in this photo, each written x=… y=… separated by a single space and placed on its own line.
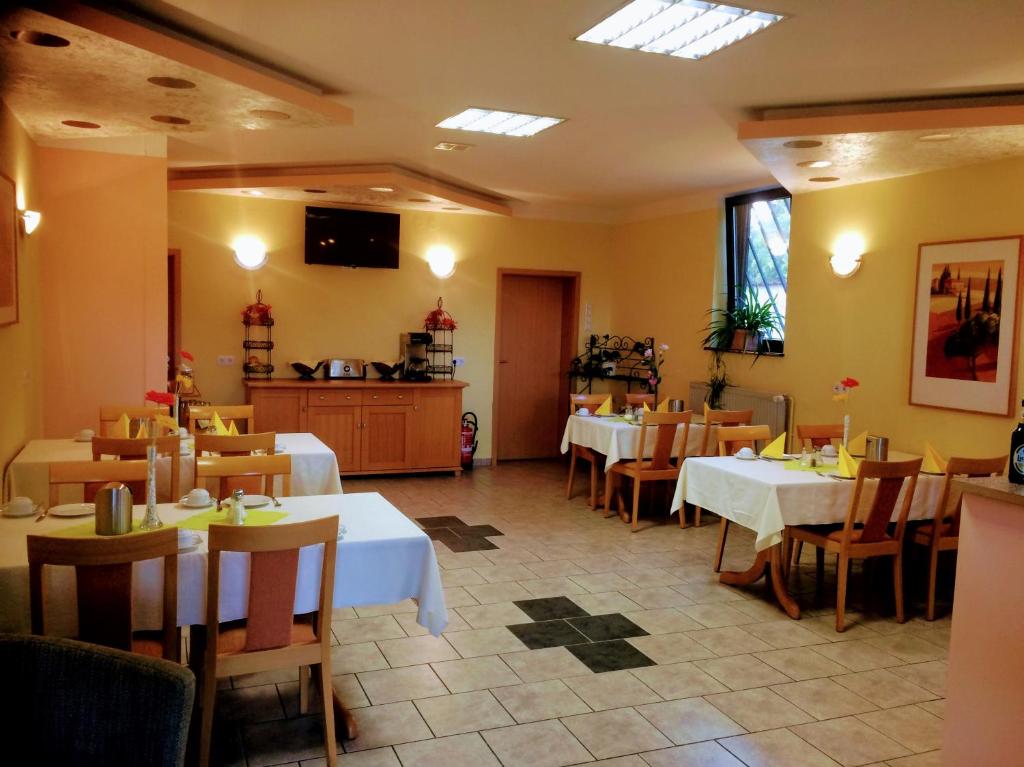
x=501 y=123
x=689 y=29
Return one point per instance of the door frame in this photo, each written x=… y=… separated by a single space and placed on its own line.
x=571 y=334
x=174 y=310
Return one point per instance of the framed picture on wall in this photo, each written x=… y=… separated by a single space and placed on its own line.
x=967 y=300
x=8 y=252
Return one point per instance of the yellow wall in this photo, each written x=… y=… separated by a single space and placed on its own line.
x=325 y=311
x=858 y=327
x=20 y=383
x=103 y=248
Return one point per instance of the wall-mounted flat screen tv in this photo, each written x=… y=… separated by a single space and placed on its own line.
x=339 y=237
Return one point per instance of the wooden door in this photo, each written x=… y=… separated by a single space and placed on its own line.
x=386 y=432
x=337 y=426
x=280 y=410
x=435 y=428
x=537 y=315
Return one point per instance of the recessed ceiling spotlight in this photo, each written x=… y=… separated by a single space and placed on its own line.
x=381 y=189
x=80 y=124
x=171 y=82
x=451 y=146
x=936 y=137
x=315 y=191
x=270 y=114
x=802 y=144
x=684 y=28
x=170 y=120
x=502 y=123
x=252 y=192
x=823 y=179
x=418 y=199
x=44 y=39
x=814 y=164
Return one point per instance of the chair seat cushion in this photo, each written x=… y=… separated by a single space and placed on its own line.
x=233 y=635
x=855 y=536
x=627 y=467
x=923 y=533
x=835 y=533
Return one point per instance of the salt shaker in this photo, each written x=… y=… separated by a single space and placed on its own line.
x=236 y=511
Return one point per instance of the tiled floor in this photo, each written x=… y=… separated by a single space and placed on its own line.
x=572 y=641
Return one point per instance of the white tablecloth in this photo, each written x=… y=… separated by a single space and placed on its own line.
x=619 y=441
x=314 y=467
x=765 y=497
x=383 y=558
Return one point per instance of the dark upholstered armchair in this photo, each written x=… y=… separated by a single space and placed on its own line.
x=79 y=705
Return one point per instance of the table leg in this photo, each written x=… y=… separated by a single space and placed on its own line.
x=768 y=562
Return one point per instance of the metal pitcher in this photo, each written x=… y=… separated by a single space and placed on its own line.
x=113 y=509
x=877 y=448
x=675 y=406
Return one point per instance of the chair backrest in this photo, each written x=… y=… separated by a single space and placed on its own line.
x=273 y=571
x=92 y=474
x=667 y=424
x=639 y=399
x=589 y=401
x=240 y=444
x=950 y=502
x=103 y=573
x=227 y=413
x=722 y=418
x=732 y=438
x=111 y=414
x=136 y=449
x=226 y=468
x=818 y=435
x=891 y=476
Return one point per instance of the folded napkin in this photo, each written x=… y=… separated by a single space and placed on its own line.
x=121 y=427
x=605 y=409
x=143 y=432
x=859 y=444
x=933 y=462
x=663 y=406
x=232 y=430
x=167 y=422
x=777 y=448
x=646 y=409
x=706 y=411
x=848 y=465
x=218 y=425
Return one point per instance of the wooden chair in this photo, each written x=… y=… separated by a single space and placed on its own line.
x=271 y=636
x=659 y=467
x=103 y=573
x=227 y=414
x=241 y=444
x=123 y=449
x=93 y=474
x=592 y=402
x=943 y=532
x=638 y=400
x=111 y=414
x=730 y=440
x=866 y=535
x=715 y=418
x=818 y=435
x=226 y=468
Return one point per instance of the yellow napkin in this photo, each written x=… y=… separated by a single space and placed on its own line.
x=646 y=409
x=167 y=422
x=777 y=448
x=233 y=430
x=120 y=427
x=706 y=411
x=142 y=433
x=859 y=444
x=847 y=464
x=663 y=406
x=933 y=462
x=218 y=425
x=605 y=409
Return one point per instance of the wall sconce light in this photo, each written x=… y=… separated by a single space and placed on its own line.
x=30 y=220
x=250 y=252
x=442 y=261
x=847 y=252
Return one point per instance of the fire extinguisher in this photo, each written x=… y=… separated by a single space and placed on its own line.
x=469 y=443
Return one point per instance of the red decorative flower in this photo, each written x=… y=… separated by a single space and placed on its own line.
x=849 y=383
x=160 y=397
x=186 y=356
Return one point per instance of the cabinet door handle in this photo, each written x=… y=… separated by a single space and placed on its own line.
x=375 y=396
x=348 y=396
x=401 y=396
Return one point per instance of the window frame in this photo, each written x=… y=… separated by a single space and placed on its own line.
x=733 y=291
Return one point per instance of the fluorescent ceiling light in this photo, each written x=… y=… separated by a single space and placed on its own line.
x=690 y=29
x=502 y=123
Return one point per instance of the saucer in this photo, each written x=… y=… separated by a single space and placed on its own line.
x=73 y=510
x=739 y=457
x=79 y=439
x=196 y=540
x=203 y=505
x=7 y=512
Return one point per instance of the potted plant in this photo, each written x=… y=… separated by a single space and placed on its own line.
x=742 y=328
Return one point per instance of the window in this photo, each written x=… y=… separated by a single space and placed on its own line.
x=757 y=249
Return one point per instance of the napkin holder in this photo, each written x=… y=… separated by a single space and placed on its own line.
x=113 y=509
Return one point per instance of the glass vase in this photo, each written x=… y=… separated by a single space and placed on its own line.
x=152 y=520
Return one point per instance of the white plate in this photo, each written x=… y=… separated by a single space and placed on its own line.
x=9 y=513
x=745 y=458
x=73 y=510
x=255 y=501
x=210 y=502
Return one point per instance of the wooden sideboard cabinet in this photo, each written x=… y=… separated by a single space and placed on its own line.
x=373 y=427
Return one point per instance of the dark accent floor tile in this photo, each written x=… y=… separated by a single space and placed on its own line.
x=613 y=655
x=458 y=544
x=480 y=530
x=599 y=628
x=546 y=634
x=442 y=534
x=550 y=608
x=429 y=522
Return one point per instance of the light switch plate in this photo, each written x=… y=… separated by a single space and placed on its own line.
x=459 y=361
x=226 y=360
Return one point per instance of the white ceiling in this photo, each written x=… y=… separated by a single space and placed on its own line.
x=641 y=128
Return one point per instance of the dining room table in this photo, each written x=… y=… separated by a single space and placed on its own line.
x=766 y=496
x=314 y=467
x=618 y=439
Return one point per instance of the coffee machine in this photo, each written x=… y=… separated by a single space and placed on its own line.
x=412 y=347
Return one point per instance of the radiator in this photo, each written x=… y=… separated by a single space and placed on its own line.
x=769 y=407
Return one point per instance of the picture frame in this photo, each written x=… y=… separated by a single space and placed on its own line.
x=8 y=252
x=966 y=314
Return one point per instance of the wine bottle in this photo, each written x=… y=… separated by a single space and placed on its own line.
x=1016 y=471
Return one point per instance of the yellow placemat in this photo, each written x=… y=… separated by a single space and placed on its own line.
x=88 y=530
x=253 y=518
x=824 y=469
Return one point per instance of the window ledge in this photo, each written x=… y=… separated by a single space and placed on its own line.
x=742 y=351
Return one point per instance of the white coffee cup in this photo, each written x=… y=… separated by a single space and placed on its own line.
x=829 y=451
x=583 y=411
x=19 y=506
x=183 y=433
x=86 y=435
x=186 y=538
x=199 y=496
x=744 y=452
